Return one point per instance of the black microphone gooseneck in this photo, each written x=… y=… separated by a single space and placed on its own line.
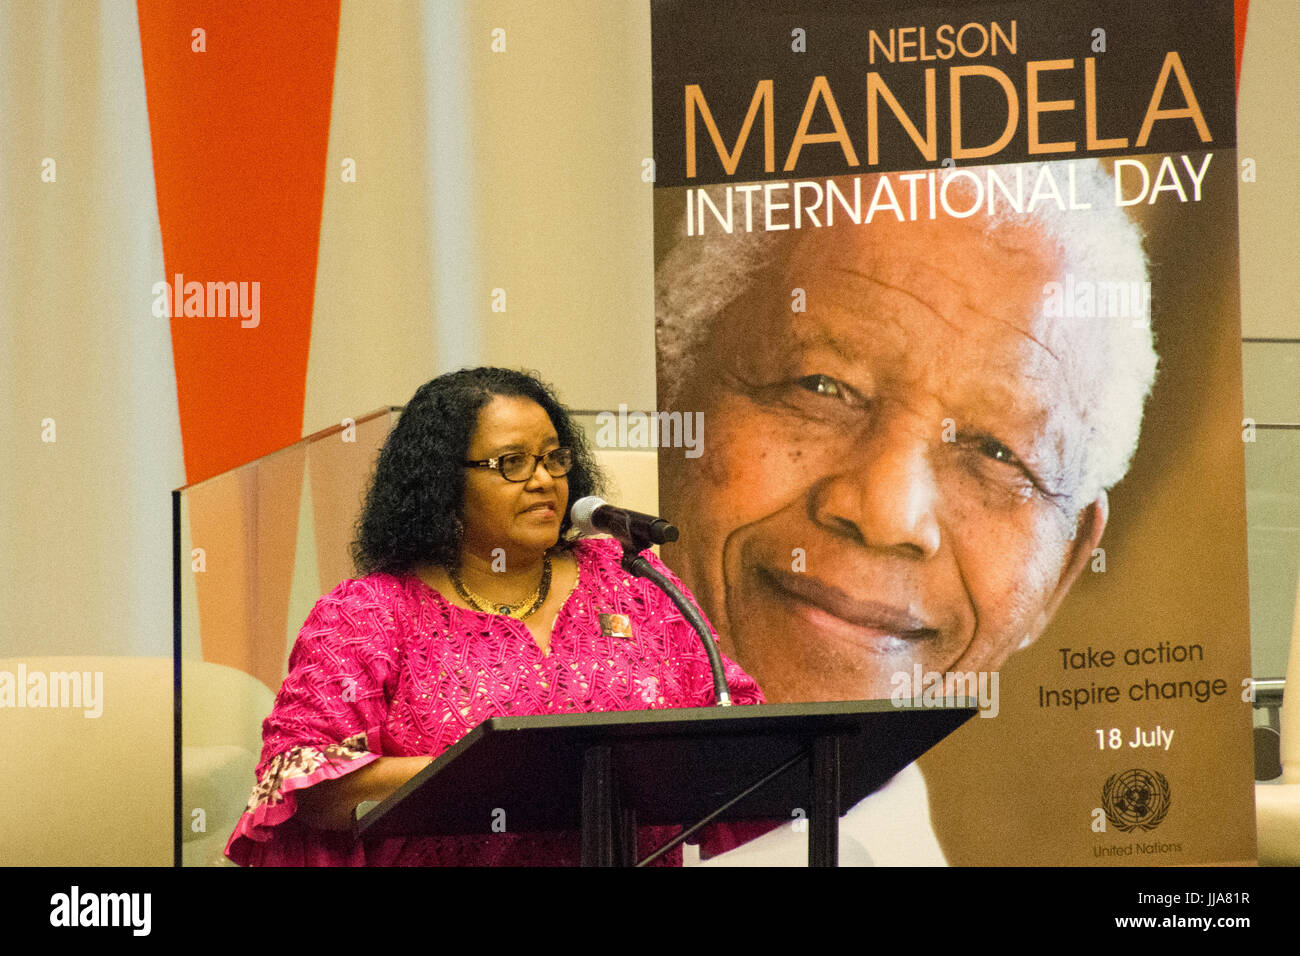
x=633 y=563
x=637 y=532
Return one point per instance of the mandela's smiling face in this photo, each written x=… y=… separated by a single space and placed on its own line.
x=891 y=476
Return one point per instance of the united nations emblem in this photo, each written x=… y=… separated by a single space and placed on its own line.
x=1135 y=800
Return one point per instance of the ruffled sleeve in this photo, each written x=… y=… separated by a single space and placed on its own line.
x=327 y=722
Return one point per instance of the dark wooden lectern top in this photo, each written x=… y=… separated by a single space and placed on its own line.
x=670 y=766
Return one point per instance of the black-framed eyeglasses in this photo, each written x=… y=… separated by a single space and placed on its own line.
x=520 y=466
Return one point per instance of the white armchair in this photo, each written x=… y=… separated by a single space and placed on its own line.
x=221 y=727
x=1277 y=804
x=90 y=786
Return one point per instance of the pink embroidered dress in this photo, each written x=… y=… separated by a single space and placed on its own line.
x=385 y=666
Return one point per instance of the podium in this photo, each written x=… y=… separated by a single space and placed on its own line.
x=605 y=774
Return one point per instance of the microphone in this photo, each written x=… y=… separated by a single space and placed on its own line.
x=636 y=532
x=592 y=515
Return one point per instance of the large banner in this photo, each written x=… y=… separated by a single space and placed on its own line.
x=952 y=291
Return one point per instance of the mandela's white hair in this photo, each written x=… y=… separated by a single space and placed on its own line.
x=1109 y=383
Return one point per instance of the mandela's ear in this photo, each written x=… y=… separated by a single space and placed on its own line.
x=1088 y=529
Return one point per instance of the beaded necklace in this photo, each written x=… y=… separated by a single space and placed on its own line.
x=521 y=610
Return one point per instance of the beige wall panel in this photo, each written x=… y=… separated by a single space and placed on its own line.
x=85 y=519
x=561 y=125
x=1268 y=131
x=373 y=338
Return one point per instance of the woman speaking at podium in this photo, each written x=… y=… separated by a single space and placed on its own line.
x=475 y=602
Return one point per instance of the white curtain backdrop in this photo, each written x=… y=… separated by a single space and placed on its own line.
x=85 y=559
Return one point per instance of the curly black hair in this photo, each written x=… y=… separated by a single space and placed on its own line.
x=413 y=509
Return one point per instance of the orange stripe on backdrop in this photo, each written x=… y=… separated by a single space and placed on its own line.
x=1239 y=10
x=239 y=122
x=239 y=137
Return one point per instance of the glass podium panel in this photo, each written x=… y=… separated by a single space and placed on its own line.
x=255 y=548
